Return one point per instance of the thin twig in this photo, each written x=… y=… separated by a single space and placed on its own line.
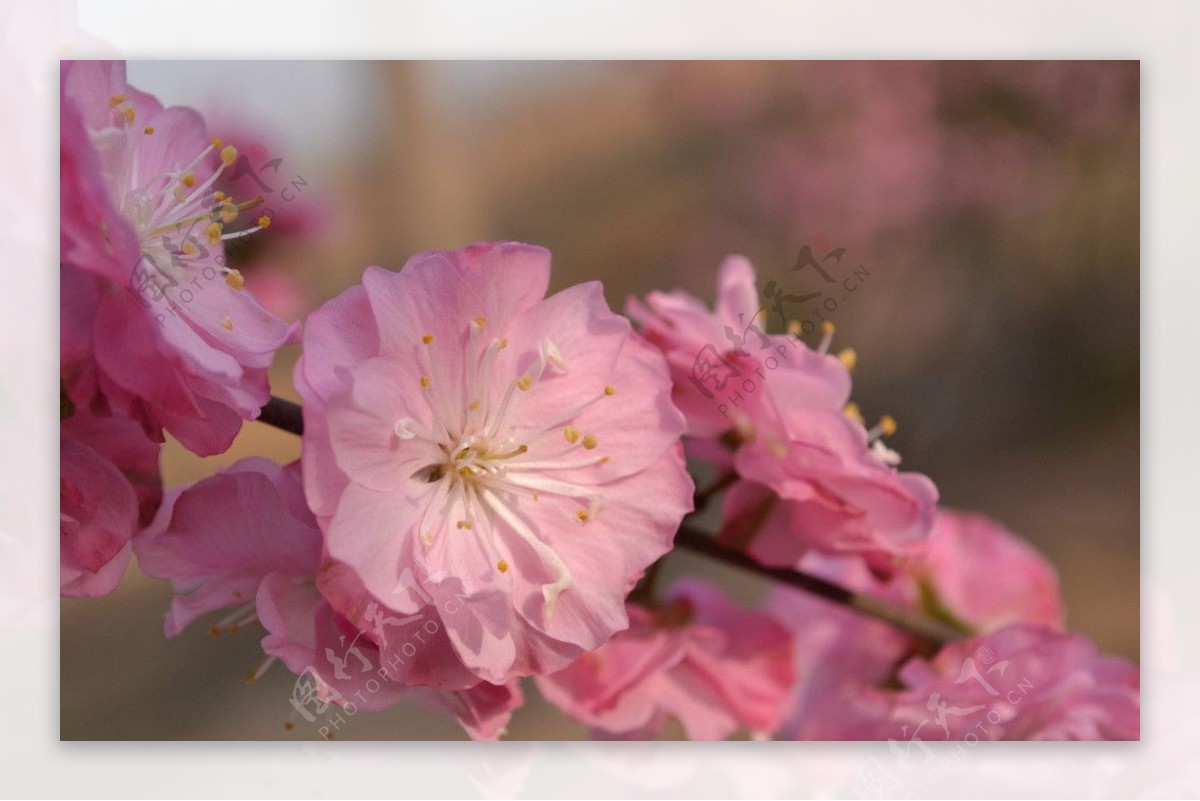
x=705 y=495
x=283 y=414
x=286 y=415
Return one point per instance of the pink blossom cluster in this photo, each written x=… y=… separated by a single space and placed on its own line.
x=491 y=478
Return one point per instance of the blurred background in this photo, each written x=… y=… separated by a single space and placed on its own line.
x=989 y=213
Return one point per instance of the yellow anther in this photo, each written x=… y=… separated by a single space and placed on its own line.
x=234 y=629
x=234 y=279
x=777 y=448
x=503 y=344
x=188 y=248
x=537 y=496
x=827 y=328
x=228 y=213
x=852 y=411
x=117 y=100
x=216 y=142
x=794 y=328
x=502 y=566
x=524 y=383
x=130 y=114
x=467 y=524
x=887 y=425
x=465 y=472
x=213 y=631
x=228 y=154
x=424 y=382
x=582 y=515
x=589 y=442
x=474 y=406
x=427 y=339
x=849 y=358
x=264 y=221
x=188 y=179
x=213 y=234
x=605 y=459
x=227 y=323
x=572 y=434
x=149 y=129
x=220 y=196
x=609 y=391
x=480 y=322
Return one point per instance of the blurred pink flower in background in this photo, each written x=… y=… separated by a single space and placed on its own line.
x=860 y=679
x=262 y=168
x=175 y=341
x=696 y=658
x=506 y=461
x=1018 y=683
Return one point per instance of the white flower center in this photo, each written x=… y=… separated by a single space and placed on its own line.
x=486 y=464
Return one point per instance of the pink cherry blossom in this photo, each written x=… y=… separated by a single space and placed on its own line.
x=244 y=540
x=506 y=462
x=711 y=353
x=158 y=327
x=860 y=679
x=1019 y=683
x=699 y=659
x=813 y=477
x=219 y=540
x=109 y=486
x=983 y=574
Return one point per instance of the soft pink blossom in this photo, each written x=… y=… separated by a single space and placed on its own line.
x=983 y=574
x=157 y=326
x=774 y=410
x=841 y=655
x=473 y=450
x=699 y=659
x=220 y=539
x=1019 y=683
x=108 y=487
x=244 y=541
x=861 y=679
x=711 y=354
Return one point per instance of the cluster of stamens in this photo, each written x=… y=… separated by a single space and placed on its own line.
x=176 y=217
x=483 y=461
x=886 y=426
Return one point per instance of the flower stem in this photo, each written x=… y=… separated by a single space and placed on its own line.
x=929 y=631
